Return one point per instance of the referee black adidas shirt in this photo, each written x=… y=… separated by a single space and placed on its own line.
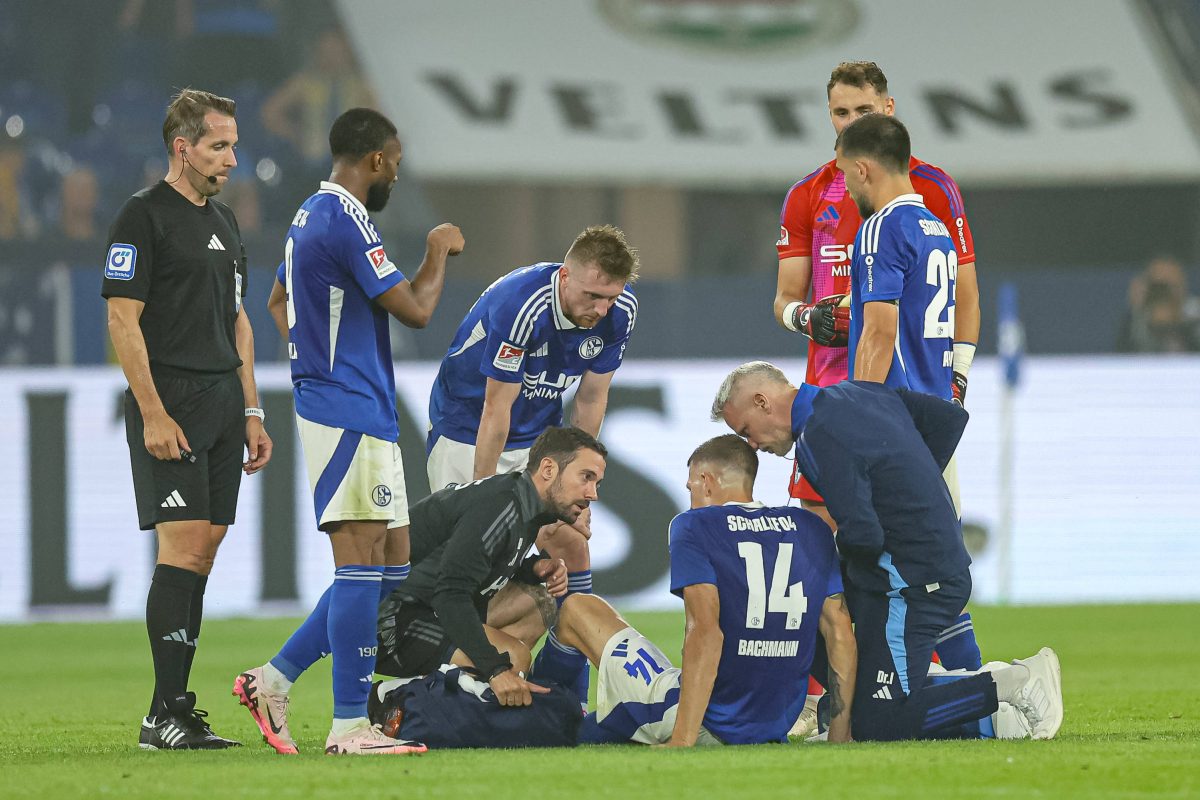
x=467 y=542
x=187 y=263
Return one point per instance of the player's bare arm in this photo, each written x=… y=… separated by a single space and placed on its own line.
x=843 y=664
x=258 y=443
x=164 y=438
x=498 y=399
x=591 y=401
x=873 y=359
x=412 y=302
x=277 y=308
x=792 y=285
x=702 y=641
x=966 y=325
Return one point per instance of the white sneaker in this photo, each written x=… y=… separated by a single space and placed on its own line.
x=269 y=710
x=1009 y=723
x=806 y=723
x=369 y=740
x=1040 y=699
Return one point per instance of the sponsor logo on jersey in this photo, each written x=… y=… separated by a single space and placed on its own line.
x=783 y=237
x=747 y=25
x=381 y=496
x=121 y=261
x=508 y=357
x=543 y=387
x=591 y=347
x=380 y=262
x=962 y=237
x=215 y=244
x=237 y=289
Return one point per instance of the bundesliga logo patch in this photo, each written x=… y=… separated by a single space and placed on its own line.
x=508 y=358
x=380 y=262
x=783 y=237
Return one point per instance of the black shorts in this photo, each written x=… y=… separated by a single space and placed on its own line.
x=211 y=412
x=411 y=640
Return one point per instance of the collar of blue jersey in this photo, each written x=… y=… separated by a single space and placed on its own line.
x=904 y=199
x=560 y=319
x=752 y=505
x=802 y=407
x=340 y=191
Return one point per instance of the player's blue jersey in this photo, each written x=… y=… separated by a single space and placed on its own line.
x=517 y=333
x=904 y=252
x=334 y=266
x=773 y=569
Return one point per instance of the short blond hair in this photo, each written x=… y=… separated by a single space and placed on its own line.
x=605 y=246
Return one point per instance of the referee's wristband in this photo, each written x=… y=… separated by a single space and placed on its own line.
x=256 y=412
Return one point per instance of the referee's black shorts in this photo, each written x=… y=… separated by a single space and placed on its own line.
x=211 y=412
x=411 y=639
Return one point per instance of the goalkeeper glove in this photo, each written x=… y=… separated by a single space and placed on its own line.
x=824 y=321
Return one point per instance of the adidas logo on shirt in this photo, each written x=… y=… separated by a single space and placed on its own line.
x=883 y=694
x=215 y=244
x=174 y=500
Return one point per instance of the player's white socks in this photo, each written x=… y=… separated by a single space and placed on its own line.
x=341 y=727
x=1010 y=681
x=276 y=682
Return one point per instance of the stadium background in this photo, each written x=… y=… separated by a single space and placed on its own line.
x=1078 y=154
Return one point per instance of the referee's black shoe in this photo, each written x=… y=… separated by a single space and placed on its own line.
x=182 y=727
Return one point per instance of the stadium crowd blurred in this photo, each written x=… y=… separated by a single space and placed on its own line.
x=82 y=93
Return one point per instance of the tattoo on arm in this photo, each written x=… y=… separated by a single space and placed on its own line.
x=836 y=704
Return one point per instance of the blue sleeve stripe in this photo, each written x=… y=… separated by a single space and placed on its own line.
x=945 y=183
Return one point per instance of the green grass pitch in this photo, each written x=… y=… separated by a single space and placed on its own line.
x=72 y=695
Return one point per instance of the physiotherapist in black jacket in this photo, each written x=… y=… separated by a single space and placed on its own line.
x=467 y=542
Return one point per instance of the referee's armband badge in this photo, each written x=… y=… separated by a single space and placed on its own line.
x=122 y=258
x=380 y=262
x=508 y=358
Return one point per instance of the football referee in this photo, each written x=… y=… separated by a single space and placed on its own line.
x=174 y=279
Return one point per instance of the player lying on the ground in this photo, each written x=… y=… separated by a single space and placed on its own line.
x=747 y=574
x=876 y=455
x=467 y=543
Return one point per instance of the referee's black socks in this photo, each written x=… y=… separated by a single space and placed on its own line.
x=174 y=606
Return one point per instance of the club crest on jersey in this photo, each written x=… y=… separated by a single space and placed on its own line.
x=591 y=347
x=121 y=261
x=381 y=496
x=783 y=237
x=380 y=262
x=508 y=358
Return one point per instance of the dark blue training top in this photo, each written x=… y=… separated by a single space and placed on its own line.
x=876 y=455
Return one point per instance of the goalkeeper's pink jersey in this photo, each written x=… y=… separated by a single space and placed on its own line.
x=820 y=220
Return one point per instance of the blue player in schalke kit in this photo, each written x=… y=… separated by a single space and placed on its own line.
x=903 y=277
x=335 y=290
x=757 y=583
x=528 y=338
x=876 y=454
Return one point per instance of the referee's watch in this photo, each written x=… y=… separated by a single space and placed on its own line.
x=256 y=412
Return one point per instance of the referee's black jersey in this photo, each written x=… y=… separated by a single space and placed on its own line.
x=188 y=265
x=467 y=542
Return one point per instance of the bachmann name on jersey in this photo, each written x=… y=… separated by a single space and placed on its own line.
x=517 y=332
x=773 y=569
